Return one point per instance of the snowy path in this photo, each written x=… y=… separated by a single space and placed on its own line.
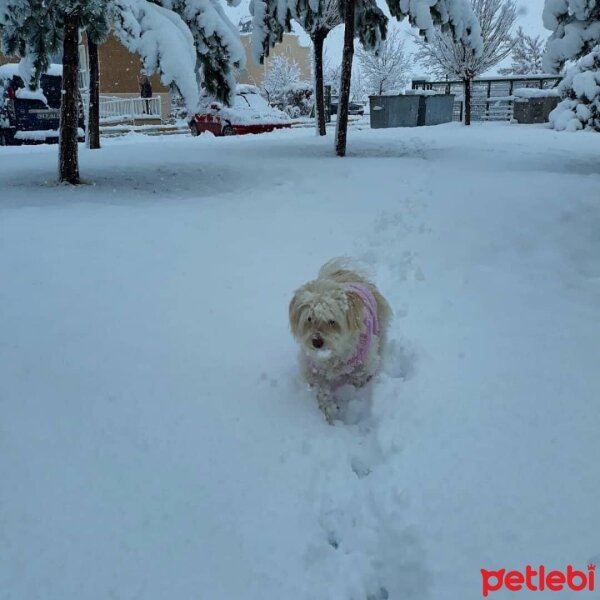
x=156 y=441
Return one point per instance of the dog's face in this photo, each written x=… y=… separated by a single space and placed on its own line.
x=326 y=320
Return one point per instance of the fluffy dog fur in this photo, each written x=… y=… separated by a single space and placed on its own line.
x=327 y=320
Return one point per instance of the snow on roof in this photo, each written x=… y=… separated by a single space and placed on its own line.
x=9 y=70
x=518 y=77
x=415 y=93
x=12 y=70
x=535 y=93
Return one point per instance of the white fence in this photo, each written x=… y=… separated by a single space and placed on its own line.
x=494 y=109
x=117 y=110
x=492 y=98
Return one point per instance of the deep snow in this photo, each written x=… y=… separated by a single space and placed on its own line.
x=156 y=441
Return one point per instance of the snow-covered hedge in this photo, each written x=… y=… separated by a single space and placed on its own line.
x=298 y=99
x=576 y=36
x=580 y=108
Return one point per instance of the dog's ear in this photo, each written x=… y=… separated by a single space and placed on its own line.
x=354 y=315
x=295 y=312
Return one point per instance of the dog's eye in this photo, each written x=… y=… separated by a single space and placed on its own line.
x=309 y=319
x=332 y=323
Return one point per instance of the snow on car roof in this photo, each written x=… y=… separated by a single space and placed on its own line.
x=12 y=70
x=245 y=88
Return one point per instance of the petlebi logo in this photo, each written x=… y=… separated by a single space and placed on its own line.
x=539 y=580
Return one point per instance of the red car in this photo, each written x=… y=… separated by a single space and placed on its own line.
x=249 y=113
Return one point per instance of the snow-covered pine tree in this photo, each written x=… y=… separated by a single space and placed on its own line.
x=96 y=27
x=318 y=21
x=74 y=15
x=68 y=159
x=446 y=55
x=526 y=56
x=453 y=16
x=28 y=30
x=163 y=42
x=576 y=36
x=34 y=30
x=365 y=19
x=271 y=18
x=93 y=133
x=218 y=47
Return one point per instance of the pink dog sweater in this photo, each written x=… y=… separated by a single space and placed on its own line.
x=370 y=321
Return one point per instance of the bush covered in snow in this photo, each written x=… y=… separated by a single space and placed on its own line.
x=281 y=74
x=580 y=108
x=576 y=27
x=284 y=88
x=298 y=99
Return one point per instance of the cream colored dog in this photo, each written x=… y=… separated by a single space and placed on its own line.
x=340 y=321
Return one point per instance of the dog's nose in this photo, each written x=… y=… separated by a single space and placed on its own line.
x=317 y=342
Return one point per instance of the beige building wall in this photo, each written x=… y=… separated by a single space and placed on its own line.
x=289 y=47
x=119 y=70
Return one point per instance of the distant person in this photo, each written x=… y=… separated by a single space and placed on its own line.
x=145 y=91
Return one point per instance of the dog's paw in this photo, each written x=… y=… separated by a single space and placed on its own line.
x=331 y=412
x=328 y=405
x=360 y=381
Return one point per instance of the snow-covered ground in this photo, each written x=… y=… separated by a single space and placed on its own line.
x=156 y=441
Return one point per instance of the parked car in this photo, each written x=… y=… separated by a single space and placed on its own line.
x=354 y=108
x=31 y=116
x=249 y=113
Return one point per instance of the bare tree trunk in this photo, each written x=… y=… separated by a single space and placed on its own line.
x=318 y=42
x=348 y=53
x=69 y=110
x=94 y=112
x=468 y=83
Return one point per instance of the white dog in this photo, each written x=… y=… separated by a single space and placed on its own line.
x=340 y=321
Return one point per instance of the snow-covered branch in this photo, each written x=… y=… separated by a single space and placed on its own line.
x=527 y=55
x=445 y=56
